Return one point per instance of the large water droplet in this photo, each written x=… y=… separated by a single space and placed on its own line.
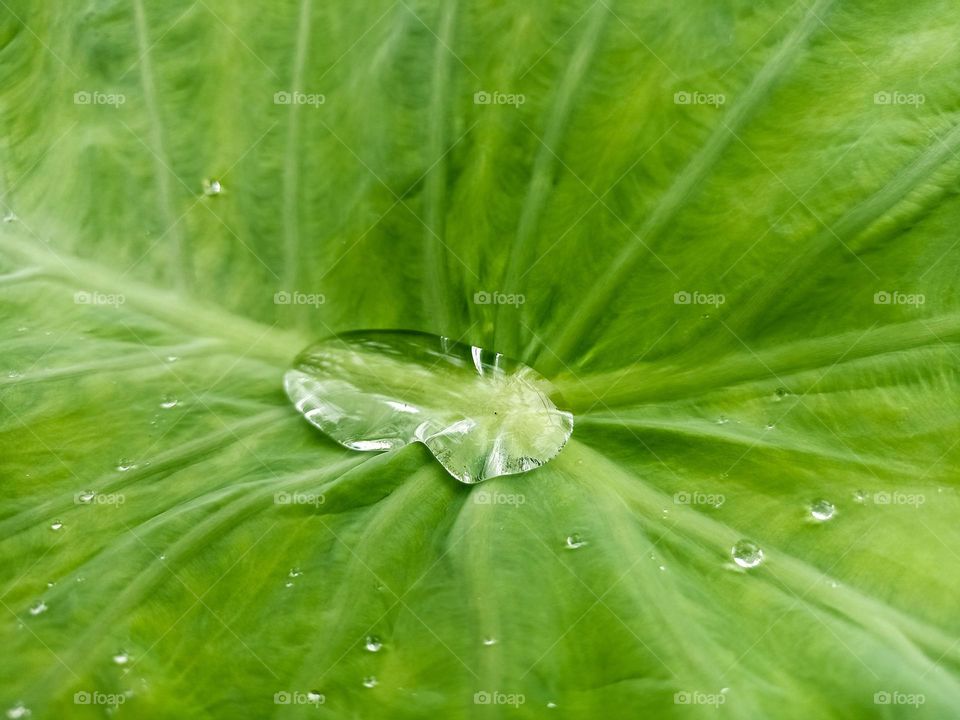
x=480 y=414
x=373 y=644
x=574 y=541
x=822 y=510
x=747 y=554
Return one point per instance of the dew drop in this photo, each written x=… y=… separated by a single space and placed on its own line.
x=169 y=402
x=288 y=584
x=722 y=420
x=770 y=426
x=822 y=510
x=860 y=496
x=295 y=572
x=488 y=641
x=480 y=414
x=212 y=187
x=13 y=374
x=40 y=607
x=121 y=658
x=123 y=465
x=372 y=643
x=171 y=358
x=86 y=496
x=574 y=541
x=747 y=554
x=19 y=710
x=314 y=696
x=370 y=682
x=56 y=524
x=551 y=705
x=781 y=393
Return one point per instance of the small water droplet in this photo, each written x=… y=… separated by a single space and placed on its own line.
x=14 y=374
x=770 y=426
x=172 y=358
x=9 y=217
x=163 y=556
x=370 y=682
x=822 y=510
x=56 y=524
x=19 y=710
x=551 y=705
x=123 y=465
x=295 y=572
x=121 y=658
x=86 y=496
x=51 y=584
x=574 y=541
x=860 y=496
x=663 y=567
x=722 y=420
x=314 y=696
x=22 y=329
x=780 y=394
x=81 y=579
x=169 y=402
x=40 y=607
x=373 y=644
x=212 y=187
x=288 y=584
x=747 y=554
x=488 y=641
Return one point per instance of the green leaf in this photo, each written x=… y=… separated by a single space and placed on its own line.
x=725 y=232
